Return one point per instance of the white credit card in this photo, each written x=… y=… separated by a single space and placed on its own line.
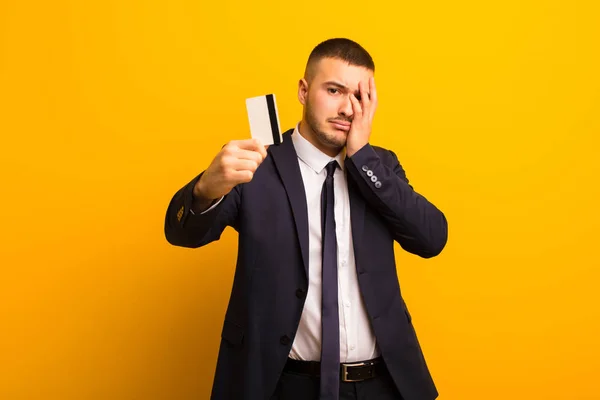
x=263 y=118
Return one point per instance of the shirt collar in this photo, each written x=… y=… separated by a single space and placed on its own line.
x=311 y=156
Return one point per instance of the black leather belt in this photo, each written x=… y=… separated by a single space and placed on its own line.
x=349 y=372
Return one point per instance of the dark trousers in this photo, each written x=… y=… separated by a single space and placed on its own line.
x=294 y=386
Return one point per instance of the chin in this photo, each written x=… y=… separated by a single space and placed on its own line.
x=328 y=136
x=340 y=137
x=337 y=139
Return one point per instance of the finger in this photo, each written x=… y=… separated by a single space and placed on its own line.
x=356 y=108
x=364 y=95
x=241 y=176
x=252 y=144
x=245 y=165
x=248 y=155
x=373 y=91
x=263 y=150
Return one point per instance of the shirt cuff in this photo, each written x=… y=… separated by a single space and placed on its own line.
x=211 y=207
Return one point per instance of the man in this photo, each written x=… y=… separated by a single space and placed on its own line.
x=316 y=310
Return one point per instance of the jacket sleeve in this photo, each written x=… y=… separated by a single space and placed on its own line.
x=186 y=229
x=416 y=224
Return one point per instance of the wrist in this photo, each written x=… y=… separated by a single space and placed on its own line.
x=354 y=148
x=200 y=200
x=198 y=189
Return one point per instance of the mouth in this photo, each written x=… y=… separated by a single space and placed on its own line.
x=341 y=125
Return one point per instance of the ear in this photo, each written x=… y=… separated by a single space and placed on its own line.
x=302 y=91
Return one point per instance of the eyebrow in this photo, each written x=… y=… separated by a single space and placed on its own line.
x=334 y=83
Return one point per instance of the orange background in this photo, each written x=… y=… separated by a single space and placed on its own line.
x=108 y=107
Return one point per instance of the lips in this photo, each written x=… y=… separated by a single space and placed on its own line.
x=341 y=125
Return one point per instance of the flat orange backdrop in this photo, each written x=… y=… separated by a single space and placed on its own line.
x=108 y=107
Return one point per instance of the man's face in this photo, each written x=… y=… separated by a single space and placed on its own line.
x=327 y=106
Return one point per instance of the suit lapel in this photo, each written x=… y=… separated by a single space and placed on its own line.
x=286 y=162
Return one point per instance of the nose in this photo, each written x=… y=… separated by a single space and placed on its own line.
x=346 y=107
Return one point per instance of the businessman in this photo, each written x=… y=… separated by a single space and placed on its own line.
x=316 y=310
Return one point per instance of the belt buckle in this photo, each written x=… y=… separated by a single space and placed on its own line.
x=345 y=371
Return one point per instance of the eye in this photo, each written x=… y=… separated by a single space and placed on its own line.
x=333 y=90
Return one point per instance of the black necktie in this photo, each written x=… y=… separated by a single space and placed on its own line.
x=330 y=342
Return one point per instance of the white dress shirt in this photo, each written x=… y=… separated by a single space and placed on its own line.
x=357 y=341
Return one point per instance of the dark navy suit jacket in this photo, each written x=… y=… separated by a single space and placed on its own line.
x=270 y=281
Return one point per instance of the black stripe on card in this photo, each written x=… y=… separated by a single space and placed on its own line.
x=273 y=119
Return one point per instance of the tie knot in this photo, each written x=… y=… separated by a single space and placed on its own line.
x=331 y=168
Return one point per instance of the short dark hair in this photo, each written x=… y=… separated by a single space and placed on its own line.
x=342 y=49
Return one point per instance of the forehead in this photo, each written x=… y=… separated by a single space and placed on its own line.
x=333 y=69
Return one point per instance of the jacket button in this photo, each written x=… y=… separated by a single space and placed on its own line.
x=300 y=293
x=365 y=168
x=378 y=184
x=284 y=340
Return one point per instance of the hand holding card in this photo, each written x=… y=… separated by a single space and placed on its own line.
x=239 y=159
x=236 y=163
x=263 y=118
